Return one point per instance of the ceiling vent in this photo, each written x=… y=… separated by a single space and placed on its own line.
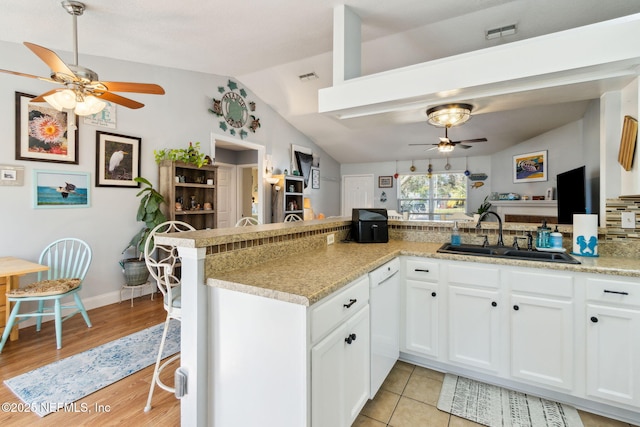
x=307 y=77
x=507 y=30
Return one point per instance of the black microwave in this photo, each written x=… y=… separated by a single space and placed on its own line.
x=370 y=225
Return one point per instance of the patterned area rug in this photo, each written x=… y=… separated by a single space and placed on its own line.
x=498 y=407
x=61 y=383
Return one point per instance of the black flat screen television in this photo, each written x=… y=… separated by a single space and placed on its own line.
x=571 y=194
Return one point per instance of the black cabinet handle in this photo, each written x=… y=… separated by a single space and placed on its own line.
x=606 y=291
x=351 y=338
x=516 y=308
x=433 y=294
x=351 y=302
x=594 y=319
x=494 y=304
x=421 y=270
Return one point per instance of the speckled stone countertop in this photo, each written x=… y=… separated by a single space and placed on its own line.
x=310 y=276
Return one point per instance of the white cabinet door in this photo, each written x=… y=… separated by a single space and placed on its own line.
x=421 y=317
x=474 y=327
x=356 y=375
x=613 y=353
x=340 y=373
x=542 y=338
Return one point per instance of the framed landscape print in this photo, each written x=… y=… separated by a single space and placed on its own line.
x=117 y=160
x=530 y=167
x=44 y=134
x=61 y=189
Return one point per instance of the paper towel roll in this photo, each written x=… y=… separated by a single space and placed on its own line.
x=585 y=234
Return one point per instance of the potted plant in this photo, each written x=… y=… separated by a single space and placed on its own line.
x=484 y=206
x=135 y=269
x=191 y=155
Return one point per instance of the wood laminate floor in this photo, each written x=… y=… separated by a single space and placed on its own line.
x=124 y=400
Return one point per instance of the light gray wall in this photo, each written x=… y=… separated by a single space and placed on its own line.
x=168 y=121
x=568 y=147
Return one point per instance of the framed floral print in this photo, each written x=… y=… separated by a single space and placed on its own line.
x=44 y=134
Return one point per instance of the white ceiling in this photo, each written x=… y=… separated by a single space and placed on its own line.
x=267 y=44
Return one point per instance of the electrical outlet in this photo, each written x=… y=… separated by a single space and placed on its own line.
x=331 y=238
x=628 y=220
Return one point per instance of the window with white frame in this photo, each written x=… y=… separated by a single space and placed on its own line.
x=432 y=196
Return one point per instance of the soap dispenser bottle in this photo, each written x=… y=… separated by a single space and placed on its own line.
x=542 y=240
x=555 y=239
x=455 y=235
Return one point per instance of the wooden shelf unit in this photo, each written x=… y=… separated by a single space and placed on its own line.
x=286 y=197
x=171 y=175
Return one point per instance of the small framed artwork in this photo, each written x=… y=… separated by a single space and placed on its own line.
x=530 y=167
x=61 y=189
x=44 y=134
x=385 y=182
x=117 y=160
x=315 y=178
x=11 y=175
x=105 y=118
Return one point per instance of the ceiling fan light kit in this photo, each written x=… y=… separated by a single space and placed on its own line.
x=83 y=93
x=448 y=115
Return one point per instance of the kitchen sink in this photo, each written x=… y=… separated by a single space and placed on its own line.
x=507 y=252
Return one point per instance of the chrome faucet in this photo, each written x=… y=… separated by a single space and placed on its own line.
x=500 y=241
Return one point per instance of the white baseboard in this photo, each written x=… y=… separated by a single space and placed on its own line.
x=96 y=302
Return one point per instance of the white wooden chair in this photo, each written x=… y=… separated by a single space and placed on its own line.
x=246 y=221
x=292 y=218
x=162 y=261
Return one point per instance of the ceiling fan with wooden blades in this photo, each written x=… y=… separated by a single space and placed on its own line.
x=446 y=145
x=82 y=91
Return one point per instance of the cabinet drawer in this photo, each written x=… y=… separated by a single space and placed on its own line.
x=613 y=291
x=541 y=283
x=420 y=269
x=329 y=313
x=472 y=275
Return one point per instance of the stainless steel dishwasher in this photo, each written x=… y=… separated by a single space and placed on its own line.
x=384 y=304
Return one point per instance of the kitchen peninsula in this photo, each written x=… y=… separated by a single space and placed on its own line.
x=248 y=314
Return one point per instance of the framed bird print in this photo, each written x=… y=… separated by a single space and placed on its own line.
x=44 y=134
x=61 y=189
x=117 y=160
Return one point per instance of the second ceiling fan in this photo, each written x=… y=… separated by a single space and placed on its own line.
x=446 y=145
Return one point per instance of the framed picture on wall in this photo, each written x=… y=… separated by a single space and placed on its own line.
x=530 y=167
x=117 y=160
x=315 y=178
x=61 y=189
x=385 y=182
x=44 y=134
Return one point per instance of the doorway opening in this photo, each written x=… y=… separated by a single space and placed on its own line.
x=240 y=184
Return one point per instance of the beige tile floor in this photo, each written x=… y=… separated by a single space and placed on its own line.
x=408 y=398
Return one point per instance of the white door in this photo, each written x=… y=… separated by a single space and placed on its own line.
x=357 y=192
x=226 y=196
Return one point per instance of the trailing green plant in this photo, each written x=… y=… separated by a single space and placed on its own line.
x=191 y=155
x=484 y=206
x=149 y=212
